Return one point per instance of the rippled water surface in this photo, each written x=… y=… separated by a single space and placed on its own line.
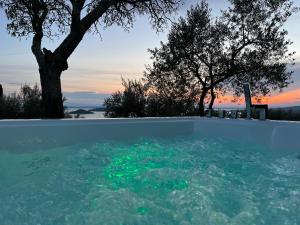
x=187 y=180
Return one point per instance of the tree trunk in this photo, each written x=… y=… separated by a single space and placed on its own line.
x=1 y=91
x=51 y=92
x=201 y=103
x=212 y=99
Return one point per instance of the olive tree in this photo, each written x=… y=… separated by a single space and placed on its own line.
x=141 y=100
x=1 y=91
x=129 y=103
x=246 y=43
x=71 y=20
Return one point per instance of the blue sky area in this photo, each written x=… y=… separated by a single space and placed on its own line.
x=96 y=67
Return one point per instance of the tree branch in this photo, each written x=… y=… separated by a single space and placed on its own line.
x=37 y=25
x=79 y=28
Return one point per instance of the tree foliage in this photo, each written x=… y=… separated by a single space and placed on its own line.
x=70 y=20
x=140 y=100
x=25 y=105
x=1 y=91
x=129 y=103
x=31 y=102
x=73 y=18
x=247 y=43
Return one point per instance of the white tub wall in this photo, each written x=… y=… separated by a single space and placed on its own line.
x=43 y=134
x=276 y=135
x=40 y=134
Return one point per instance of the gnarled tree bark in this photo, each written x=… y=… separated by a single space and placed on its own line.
x=212 y=99
x=50 y=73
x=1 y=91
x=52 y=64
x=201 y=102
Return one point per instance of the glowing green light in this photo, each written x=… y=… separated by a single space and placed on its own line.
x=139 y=169
x=142 y=210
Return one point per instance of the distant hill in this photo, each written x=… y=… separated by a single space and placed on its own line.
x=294 y=109
x=100 y=109
x=81 y=112
x=285 y=113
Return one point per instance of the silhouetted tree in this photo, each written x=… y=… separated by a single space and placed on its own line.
x=31 y=100
x=10 y=107
x=140 y=100
x=129 y=103
x=246 y=44
x=159 y=105
x=1 y=91
x=26 y=105
x=165 y=98
x=72 y=19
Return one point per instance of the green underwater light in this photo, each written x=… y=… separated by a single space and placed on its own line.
x=145 y=167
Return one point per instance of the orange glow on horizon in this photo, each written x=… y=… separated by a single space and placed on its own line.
x=291 y=97
x=106 y=84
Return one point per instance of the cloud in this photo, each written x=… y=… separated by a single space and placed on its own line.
x=91 y=71
x=85 y=99
x=73 y=80
x=89 y=86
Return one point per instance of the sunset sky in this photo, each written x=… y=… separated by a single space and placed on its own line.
x=96 y=67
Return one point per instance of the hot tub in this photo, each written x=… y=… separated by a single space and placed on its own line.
x=149 y=171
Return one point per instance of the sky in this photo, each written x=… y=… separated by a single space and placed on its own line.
x=97 y=65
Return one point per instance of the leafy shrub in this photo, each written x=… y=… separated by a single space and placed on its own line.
x=10 y=107
x=284 y=114
x=160 y=105
x=129 y=103
x=31 y=100
x=138 y=101
x=25 y=105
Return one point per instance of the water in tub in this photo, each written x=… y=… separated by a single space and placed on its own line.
x=186 y=180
